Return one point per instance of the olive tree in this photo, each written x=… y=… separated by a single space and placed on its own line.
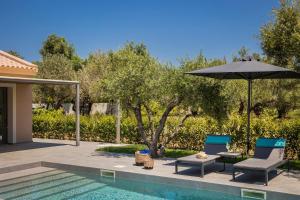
x=95 y=68
x=55 y=67
x=280 y=41
x=56 y=45
x=139 y=81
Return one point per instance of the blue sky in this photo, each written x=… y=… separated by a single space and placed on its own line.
x=171 y=29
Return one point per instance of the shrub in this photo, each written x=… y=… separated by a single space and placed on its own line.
x=55 y=125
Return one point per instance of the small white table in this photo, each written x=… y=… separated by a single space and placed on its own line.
x=228 y=155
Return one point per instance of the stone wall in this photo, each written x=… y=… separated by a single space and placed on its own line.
x=97 y=108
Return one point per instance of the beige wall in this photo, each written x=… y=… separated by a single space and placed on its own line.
x=23 y=113
x=10 y=115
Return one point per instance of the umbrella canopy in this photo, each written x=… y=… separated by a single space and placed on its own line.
x=248 y=69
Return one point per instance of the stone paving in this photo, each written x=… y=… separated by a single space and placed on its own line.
x=65 y=152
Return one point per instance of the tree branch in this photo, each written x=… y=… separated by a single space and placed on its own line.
x=138 y=115
x=150 y=119
x=163 y=120
x=178 y=127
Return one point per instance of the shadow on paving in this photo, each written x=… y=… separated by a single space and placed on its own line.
x=188 y=170
x=293 y=174
x=256 y=177
x=5 y=148
x=249 y=177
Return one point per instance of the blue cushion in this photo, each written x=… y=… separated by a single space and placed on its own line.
x=271 y=142
x=145 y=151
x=218 y=139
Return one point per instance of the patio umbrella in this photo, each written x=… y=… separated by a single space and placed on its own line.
x=248 y=69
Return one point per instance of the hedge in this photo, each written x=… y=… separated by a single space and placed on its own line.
x=55 y=125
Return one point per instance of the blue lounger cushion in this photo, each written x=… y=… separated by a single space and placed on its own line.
x=218 y=139
x=271 y=142
x=145 y=151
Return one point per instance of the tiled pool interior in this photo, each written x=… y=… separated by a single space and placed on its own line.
x=58 y=184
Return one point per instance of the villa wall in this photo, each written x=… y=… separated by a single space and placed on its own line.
x=23 y=113
x=10 y=115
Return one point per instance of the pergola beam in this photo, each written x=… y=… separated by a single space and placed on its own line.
x=8 y=79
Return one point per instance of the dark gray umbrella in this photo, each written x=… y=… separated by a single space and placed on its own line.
x=248 y=69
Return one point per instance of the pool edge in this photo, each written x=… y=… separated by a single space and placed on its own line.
x=228 y=189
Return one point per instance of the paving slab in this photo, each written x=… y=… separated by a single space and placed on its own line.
x=65 y=152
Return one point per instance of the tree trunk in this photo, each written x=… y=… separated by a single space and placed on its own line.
x=241 y=108
x=139 y=118
x=150 y=119
x=162 y=122
x=153 y=149
x=118 y=122
x=58 y=105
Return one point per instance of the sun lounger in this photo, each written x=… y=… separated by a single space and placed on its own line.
x=214 y=144
x=269 y=154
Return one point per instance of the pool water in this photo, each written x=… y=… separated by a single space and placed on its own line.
x=58 y=184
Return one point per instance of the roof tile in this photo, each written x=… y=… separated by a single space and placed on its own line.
x=13 y=66
x=8 y=60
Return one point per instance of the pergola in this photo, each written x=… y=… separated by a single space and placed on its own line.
x=37 y=81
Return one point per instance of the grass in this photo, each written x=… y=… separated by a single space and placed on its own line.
x=176 y=153
x=132 y=148
x=128 y=149
x=295 y=114
x=294 y=164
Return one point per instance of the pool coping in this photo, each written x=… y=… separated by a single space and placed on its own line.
x=198 y=184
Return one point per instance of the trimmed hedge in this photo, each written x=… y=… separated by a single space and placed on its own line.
x=55 y=125
x=192 y=135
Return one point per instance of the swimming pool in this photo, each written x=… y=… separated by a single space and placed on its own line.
x=58 y=184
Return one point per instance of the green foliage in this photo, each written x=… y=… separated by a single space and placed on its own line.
x=55 y=45
x=131 y=149
x=54 y=124
x=15 y=53
x=135 y=78
x=177 y=153
x=294 y=164
x=280 y=41
x=209 y=96
x=128 y=149
x=55 y=67
x=191 y=136
x=59 y=61
x=96 y=67
x=77 y=63
x=160 y=102
x=132 y=77
x=243 y=52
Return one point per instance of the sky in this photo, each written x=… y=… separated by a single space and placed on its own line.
x=171 y=29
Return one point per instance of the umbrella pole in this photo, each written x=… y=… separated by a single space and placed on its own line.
x=248 y=114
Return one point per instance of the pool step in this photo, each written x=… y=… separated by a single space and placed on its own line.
x=254 y=194
x=13 y=168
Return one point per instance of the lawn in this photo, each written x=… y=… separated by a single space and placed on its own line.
x=132 y=148
x=175 y=153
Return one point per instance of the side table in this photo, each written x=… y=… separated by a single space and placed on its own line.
x=228 y=155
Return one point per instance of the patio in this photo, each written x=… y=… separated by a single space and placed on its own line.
x=65 y=152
